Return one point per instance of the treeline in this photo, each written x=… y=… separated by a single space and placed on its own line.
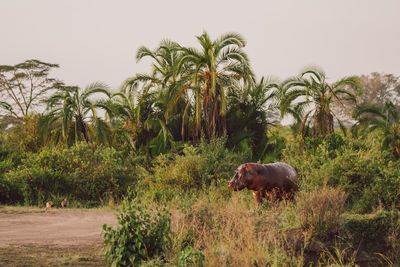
x=176 y=135
x=191 y=96
x=209 y=92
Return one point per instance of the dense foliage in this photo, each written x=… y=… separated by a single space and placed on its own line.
x=142 y=234
x=79 y=173
x=176 y=135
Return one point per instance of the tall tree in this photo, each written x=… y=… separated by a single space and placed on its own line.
x=247 y=113
x=167 y=80
x=218 y=65
x=24 y=86
x=193 y=83
x=309 y=99
x=378 y=88
x=371 y=117
x=125 y=119
x=75 y=115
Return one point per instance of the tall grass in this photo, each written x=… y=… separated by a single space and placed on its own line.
x=319 y=211
x=232 y=231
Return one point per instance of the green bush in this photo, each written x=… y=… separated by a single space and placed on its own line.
x=209 y=163
x=333 y=143
x=365 y=172
x=77 y=171
x=273 y=149
x=142 y=234
x=219 y=163
x=11 y=191
x=190 y=257
x=373 y=232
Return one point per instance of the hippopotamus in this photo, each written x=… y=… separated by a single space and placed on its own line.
x=275 y=181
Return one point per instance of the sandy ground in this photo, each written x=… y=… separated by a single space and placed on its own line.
x=55 y=228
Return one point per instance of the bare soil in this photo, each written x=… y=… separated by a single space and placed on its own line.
x=56 y=228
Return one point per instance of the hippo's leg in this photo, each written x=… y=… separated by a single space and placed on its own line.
x=269 y=195
x=258 y=197
x=290 y=196
x=274 y=195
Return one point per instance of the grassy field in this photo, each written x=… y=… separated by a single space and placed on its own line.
x=228 y=229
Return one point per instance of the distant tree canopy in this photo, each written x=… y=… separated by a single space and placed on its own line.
x=191 y=93
x=309 y=99
x=195 y=82
x=378 y=89
x=371 y=117
x=23 y=87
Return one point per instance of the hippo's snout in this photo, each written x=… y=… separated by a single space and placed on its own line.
x=232 y=186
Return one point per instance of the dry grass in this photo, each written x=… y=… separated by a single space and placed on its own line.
x=233 y=232
x=320 y=211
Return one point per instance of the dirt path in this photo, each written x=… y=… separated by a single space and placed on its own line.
x=56 y=228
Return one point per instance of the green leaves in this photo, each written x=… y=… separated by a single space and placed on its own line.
x=142 y=233
x=308 y=98
x=23 y=87
x=71 y=108
x=371 y=117
x=190 y=257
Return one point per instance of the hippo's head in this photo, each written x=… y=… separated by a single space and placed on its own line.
x=239 y=180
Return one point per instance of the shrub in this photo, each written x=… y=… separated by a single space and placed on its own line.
x=386 y=186
x=10 y=191
x=361 y=169
x=376 y=232
x=320 y=211
x=190 y=257
x=142 y=234
x=273 y=149
x=76 y=171
x=209 y=163
x=333 y=142
x=218 y=163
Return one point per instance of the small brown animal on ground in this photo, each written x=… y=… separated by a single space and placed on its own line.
x=49 y=205
x=275 y=181
x=64 y=203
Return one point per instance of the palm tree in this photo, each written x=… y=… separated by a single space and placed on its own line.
x=73 y=116
x=137 y=119
x=124 y=116
x=168 y=82
x=309 y=98
x=371 y=117
x=213 y=69
x=248 y=108
x=165 y=67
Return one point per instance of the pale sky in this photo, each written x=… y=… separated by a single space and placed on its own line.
x=96 y=40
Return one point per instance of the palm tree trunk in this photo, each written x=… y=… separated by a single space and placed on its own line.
x=206 y=109
x=76 y=132
x=323 y=123
x=183 y=120
x=84 y=131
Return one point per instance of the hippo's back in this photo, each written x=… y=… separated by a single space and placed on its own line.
x=282 y=171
